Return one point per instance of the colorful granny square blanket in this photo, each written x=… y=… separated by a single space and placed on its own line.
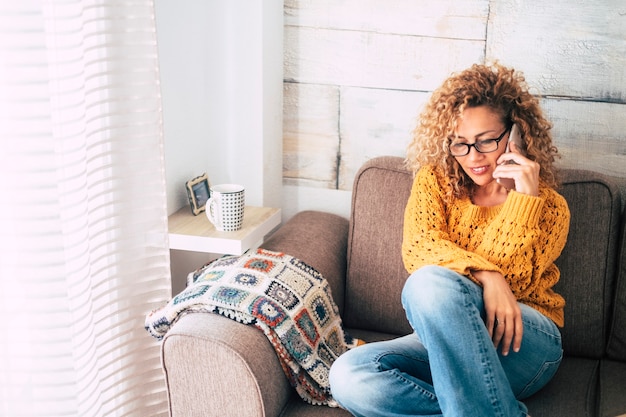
x=284 y=297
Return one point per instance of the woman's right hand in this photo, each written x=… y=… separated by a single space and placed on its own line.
x=503 y=314
x=525 y=172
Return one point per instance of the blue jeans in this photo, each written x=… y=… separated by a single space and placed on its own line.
x=458 y=371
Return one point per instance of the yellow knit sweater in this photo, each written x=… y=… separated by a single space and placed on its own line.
x=520 y=238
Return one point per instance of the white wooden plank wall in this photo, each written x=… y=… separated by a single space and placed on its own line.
x=574 y=53
x=357 y=73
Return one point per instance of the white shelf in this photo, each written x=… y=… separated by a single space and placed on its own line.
x=196 y=233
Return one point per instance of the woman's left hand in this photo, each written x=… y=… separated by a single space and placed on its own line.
x=522 y=170
x=503 y=314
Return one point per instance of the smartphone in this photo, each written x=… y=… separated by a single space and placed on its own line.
x=516 y=138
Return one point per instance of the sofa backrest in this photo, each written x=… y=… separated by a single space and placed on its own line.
x=588 y=263
x=617 y=333
x=376 y=274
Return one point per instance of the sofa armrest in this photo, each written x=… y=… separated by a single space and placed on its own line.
x=320 y=240
x=215 y=366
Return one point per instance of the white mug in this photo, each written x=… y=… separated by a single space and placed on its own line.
x=225 y=207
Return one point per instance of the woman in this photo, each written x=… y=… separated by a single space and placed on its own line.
x=481 y=262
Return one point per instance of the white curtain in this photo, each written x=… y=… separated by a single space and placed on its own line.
x=83 y=222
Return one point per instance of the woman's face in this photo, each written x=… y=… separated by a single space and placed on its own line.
x=476 y=125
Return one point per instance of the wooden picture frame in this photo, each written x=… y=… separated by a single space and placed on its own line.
x=198 y=192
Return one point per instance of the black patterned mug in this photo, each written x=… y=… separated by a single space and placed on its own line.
x=225 y=207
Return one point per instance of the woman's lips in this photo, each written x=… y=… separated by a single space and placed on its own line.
x=480 y=170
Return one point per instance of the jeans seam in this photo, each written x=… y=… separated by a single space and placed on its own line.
x=546 y=366
x=554 y=335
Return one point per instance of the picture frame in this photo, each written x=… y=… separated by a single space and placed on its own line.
x=198 y=192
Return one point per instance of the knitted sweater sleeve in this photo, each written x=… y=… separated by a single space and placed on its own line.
x=426 y=238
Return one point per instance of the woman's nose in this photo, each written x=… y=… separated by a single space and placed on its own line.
x=474 y=154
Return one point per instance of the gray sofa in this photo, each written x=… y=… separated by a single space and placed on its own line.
x=217 y=367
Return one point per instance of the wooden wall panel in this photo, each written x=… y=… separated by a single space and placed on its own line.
x=373 y=123
x=310 y=134
x=357 y=71
x=452 y=19
x=589 y=135
x=571 y=48
x=369 y=59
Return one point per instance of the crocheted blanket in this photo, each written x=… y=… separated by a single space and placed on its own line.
x=284 y=297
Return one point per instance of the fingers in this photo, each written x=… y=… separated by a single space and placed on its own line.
x=519 y=332
x=491 y=325
x=503 y=315
x=524 y=172
x=507 y=333
x=499 y=333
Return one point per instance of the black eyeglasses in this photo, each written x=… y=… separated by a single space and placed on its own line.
x=482 y=146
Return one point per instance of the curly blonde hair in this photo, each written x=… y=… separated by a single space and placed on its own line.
x=503 y=90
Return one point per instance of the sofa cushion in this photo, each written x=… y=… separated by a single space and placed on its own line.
x=587 y=263
x=376 y=274
x=570 y=392
x=298 y=408
x=612 y=388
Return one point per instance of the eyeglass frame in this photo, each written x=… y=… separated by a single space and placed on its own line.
x=469 y=146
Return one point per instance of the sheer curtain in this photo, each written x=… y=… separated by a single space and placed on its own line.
x=83 y=222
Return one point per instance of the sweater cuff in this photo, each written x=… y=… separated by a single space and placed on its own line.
x=523 y=206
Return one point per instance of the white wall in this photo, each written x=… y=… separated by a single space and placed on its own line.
x=221 y=65
x=221 y=82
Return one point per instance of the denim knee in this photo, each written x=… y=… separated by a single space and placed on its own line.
x=427 y=284
x=341 y=379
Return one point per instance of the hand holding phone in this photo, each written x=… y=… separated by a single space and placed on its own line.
x=516 y=138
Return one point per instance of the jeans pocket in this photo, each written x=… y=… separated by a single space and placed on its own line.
x=544 y=375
